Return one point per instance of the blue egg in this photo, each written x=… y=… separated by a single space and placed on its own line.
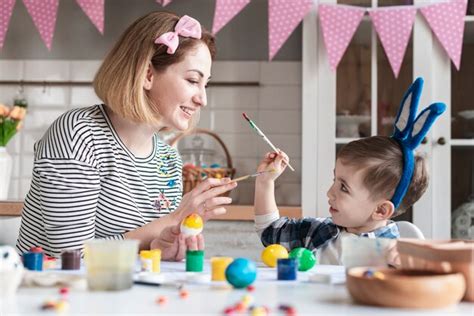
x=215 y=165
x=241 y=273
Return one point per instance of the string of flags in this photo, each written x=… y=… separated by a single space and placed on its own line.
x=339 y=23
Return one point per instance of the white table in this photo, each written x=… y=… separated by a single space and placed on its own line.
x=211 y=298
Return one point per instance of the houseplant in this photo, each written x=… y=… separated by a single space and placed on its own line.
x=11 y=121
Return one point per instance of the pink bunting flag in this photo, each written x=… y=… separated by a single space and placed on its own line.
x=43 y=13
x=283 y=17
x=338 y=23
x=394 y=25
x=164 y=3
x=94 y=9
x=225 y=11
x=6 y=9
x=447 y=22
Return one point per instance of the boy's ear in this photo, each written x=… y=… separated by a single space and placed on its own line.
x=384 y=210
x=148 y=79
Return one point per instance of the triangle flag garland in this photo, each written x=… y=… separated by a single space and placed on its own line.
x=94 y=9
x=225 y=11
x=447 y=22
x=394 y=26
x=43 y=13
x=164 y=3
x=283 y=17
x=6 y=9
x=338 y=24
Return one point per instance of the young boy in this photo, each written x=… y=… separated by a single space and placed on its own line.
x=375 y=179
x=365 y=178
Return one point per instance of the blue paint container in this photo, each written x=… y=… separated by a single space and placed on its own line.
x=287 y=269
x=33 y=261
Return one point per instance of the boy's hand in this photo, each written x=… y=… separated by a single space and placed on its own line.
x=272 y=160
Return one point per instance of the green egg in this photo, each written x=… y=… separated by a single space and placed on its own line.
x=305 y=257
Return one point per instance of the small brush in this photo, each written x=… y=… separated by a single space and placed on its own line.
x=265 y=138
x=251 y=175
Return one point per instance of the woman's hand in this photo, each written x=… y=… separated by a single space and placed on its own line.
x=173 y=244
x=272 y=160
x=204 y=199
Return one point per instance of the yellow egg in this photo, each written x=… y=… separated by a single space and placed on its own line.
x=192 y=225
x=272 y=253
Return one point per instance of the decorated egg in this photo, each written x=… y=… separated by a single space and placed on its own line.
x=272 y=253
x=11 y=271
x=305 y=257
x=241 y=273
x=192 y=225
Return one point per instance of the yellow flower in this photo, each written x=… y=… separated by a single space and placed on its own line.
x=4 y=110
x=19 y=126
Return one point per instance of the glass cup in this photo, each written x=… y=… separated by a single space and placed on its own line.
x=110 y=264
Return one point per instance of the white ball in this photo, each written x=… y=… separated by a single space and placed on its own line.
x=9 y=259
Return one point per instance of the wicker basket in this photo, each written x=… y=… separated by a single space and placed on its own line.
x=193 y=175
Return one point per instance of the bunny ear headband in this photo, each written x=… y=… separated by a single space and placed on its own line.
x=409 y=131
x=186 y=27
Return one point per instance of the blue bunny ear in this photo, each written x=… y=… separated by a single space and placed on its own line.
x=423 y=123
x=407 y=112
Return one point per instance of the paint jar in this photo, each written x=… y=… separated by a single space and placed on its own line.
x=287 y=269
x=110 y=264
x=194 y=260
x=33 y=261
x=150 y=260
x=146 y=263
x=71 y=259
x=218 y=265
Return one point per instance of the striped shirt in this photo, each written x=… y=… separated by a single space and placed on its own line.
x=86 y=184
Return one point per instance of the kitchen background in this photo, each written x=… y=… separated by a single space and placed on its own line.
x=269 y=92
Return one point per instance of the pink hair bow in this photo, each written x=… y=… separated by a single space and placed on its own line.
x=186 y=27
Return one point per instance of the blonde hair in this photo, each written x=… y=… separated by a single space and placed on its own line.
x=382 y=160
x=119 y=80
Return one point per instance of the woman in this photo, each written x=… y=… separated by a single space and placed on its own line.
x=102 y=172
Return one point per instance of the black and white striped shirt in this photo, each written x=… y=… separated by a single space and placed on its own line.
x=86 y=184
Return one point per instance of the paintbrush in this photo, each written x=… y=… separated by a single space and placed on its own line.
x=265 y=138
x=251 y=175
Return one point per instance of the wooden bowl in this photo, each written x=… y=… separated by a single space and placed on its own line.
x=405 y=288
x=442 y=256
